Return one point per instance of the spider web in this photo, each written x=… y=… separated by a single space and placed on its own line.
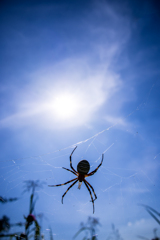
x=125 y=180
x=105 y=54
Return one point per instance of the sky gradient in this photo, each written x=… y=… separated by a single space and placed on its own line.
x=86 y=74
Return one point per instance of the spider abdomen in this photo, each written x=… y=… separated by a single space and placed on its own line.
x=83 y=167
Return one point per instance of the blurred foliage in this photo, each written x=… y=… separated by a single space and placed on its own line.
x=155 y=214
x=32 y=185
x=4 y=224
x=89 y=228
x=51 y=235
x=32 y=227
x=114 y=235
x=5 y=200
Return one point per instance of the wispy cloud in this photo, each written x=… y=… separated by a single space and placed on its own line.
x=87 y=75
x=36 y=104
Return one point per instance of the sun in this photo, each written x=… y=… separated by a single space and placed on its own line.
x=65 y=106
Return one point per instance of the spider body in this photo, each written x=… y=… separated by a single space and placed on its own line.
x=81 y=177
x=83 y=168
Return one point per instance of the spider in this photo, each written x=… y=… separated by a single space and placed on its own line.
x=83 y=168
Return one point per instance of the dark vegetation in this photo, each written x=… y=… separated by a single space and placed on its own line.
x=31 y=228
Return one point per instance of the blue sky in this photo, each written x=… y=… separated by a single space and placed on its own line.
x=82 y=73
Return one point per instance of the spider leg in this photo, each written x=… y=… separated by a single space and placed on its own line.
x=62 y=183
x=91 y=188
x=71 y=160
x=90 y=194
x=68 y=189
x=70 y=170
x=93 y=172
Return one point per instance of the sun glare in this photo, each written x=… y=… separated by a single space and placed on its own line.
x=65 y=106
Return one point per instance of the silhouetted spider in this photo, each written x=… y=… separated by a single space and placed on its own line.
x=81 y=173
